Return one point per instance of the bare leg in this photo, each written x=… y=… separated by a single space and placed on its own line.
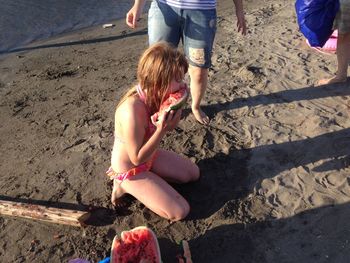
x=156 y=194
x=199 y=81
x=117 y=192
x=174 y=168
x=343 y=58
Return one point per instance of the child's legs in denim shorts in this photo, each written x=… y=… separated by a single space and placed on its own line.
x=196 y=28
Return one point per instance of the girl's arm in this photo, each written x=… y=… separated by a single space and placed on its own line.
x=241 y=25
x=134 y=13
x=135 y=123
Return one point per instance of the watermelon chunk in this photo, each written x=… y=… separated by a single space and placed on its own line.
x=138 y=245
x=174 y=101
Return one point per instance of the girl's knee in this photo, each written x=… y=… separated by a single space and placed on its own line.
x=194 y=173
x=180 y=212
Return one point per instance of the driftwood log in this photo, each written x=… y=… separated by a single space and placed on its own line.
x=44 y=213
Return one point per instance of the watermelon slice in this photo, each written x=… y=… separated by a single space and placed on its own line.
x=174 y=101
x=138 y=245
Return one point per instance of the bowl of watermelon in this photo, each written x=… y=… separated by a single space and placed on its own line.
x=138 y=245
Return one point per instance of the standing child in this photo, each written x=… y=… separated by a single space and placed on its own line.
x=138 y=166
x=194 y=23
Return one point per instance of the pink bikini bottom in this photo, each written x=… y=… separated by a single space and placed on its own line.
x=134 y=171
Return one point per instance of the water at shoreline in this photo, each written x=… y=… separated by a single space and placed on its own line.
x=23 y=21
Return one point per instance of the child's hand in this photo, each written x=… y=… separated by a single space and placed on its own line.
x=168 y=120
x=133 y=16
x=241 y=25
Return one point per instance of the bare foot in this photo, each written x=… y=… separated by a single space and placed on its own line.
x=117 y=193
x=200 y=116
x=333 y=80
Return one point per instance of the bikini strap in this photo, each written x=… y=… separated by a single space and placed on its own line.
x=141 y=93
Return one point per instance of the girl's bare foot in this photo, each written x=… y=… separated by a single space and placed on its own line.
x=117 y=193
x=200 y=116
x=333 y=80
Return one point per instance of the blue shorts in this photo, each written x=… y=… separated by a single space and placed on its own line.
x=196 y=29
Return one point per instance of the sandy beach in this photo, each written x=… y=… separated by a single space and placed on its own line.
x=275 y=159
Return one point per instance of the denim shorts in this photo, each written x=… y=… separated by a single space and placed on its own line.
x=196 y=29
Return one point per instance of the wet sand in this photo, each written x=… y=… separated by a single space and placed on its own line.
x=274 y=160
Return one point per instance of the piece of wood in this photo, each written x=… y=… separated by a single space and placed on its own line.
x=44 y=213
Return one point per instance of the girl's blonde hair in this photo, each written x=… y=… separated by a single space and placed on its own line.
x=158 y=66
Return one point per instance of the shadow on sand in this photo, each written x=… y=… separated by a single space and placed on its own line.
x=226 y=177
x=317 y=235
x=285 y=96
x=81 y=42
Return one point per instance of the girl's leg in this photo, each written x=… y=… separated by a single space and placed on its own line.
x=117 y=192
x=174 y=168
x=157 y=195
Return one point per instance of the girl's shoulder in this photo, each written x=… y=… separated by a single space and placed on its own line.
x=132 y=106
x=133 y=102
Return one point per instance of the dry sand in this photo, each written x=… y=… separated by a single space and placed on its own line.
x=274 y=160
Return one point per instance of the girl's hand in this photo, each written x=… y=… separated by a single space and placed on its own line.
x=167 y=121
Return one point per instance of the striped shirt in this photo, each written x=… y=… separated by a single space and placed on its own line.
x=191 y=4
